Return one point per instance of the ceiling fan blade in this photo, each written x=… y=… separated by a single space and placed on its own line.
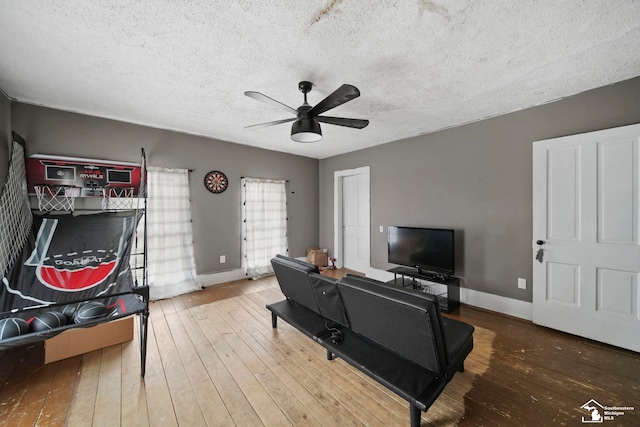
x=341 y=121
x=341 y=95
x=265 y=125
x=264 y=98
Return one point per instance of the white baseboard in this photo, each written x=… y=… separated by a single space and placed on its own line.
x=221 y=277
x=504 y=305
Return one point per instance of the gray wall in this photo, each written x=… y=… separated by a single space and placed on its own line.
x=5 y=136
x=216 y=217
x=477 y=179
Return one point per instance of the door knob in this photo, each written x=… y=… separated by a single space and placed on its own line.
x=540 y=253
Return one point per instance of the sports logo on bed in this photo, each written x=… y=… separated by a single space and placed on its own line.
x=73 y=258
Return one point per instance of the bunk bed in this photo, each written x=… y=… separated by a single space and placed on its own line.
x=85 y=266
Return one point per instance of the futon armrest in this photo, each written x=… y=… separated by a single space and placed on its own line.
x=293 y=278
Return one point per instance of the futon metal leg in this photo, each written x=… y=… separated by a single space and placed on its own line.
x=144 y=320
x=415 y=415
x=329 y=355
x=274 y=321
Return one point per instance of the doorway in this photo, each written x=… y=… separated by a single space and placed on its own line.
x=352 y=211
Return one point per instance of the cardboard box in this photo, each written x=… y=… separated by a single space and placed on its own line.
x=317 y=256
x=83 y=340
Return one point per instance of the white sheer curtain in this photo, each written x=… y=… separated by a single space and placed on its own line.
x=171 y=264
x=264 y=224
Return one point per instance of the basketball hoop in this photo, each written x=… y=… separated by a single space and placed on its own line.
x=59 y=198
x=117 y=198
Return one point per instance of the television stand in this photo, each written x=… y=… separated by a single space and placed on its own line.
x=446 y=288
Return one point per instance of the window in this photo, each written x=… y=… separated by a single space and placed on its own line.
x=264 y=224
x=171 y=264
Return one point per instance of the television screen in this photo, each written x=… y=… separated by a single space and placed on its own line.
x=430 y=249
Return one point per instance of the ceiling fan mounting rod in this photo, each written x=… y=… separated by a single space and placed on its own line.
x=304 y=87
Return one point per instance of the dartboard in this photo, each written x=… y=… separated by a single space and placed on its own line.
x=216 y=181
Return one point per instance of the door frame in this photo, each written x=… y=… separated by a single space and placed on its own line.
x=338 y=238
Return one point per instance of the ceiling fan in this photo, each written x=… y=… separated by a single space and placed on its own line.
x=306 y=124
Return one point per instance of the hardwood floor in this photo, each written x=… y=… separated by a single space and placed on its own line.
x=213 y=359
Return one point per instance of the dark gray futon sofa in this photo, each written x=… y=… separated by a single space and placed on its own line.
x=395 y=335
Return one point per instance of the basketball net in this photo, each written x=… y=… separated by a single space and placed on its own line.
x=15 y=211
x=58 y=198
x=118 y=198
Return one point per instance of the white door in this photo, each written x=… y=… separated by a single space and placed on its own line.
x=355 y=222
x=585 y=219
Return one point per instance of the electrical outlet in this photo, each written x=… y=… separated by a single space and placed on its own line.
x=522 y=283
x=223 y=259
x=382 y=228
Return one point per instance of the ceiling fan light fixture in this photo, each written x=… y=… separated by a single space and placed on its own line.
x=306 y=124
x=306 y=130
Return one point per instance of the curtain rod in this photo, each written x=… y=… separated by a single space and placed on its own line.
x=285 y=180
x=173 y=167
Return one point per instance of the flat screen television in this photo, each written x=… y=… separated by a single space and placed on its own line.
x=430 y=250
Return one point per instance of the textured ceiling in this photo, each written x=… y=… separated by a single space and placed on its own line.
x=420 y=65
